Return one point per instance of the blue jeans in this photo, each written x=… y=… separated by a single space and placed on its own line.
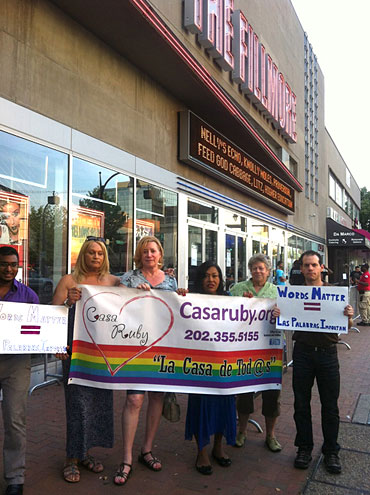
x=321 y=363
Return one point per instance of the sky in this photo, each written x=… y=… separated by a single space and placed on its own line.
x=338 y=31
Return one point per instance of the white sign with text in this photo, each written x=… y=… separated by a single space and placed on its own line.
x=32 y=328
x=312 y=308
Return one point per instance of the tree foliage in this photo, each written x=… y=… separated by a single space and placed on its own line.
x=365 y=209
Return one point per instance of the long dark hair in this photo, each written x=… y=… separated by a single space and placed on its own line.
x=200 y=275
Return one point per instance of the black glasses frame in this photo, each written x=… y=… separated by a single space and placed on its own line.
x=95 y=238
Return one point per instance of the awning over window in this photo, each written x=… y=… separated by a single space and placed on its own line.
x=341 y=236
x=363 y=232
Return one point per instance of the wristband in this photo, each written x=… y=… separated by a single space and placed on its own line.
x=65 y=303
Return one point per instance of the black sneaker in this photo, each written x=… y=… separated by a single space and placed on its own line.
x=332 y=463
x=303 y=459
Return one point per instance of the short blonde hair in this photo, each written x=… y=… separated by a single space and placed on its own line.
x=81 y=270
x=141 y=245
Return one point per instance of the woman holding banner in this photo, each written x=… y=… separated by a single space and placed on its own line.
x=148 y=275
x=260 y=267
x=210 y=414
x=89 y=410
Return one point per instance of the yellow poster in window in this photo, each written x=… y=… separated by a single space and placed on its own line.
x=85 y=222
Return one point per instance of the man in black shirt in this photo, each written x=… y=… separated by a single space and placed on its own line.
x=355 y=275
x=295 y=276
x=315 y=356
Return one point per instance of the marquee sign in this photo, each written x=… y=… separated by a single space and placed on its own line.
x=232 y=42
x=205 y=148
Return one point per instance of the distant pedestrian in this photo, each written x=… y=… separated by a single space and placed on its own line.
x=326 y=272
x=280 y=277
x=295 y=276
x=355 y=275
x=363 y=288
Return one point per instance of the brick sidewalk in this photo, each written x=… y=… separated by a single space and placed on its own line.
x=254 y=469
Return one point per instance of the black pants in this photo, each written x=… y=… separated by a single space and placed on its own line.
x=320 y=363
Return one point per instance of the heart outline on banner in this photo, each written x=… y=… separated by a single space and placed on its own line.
x=137 y=354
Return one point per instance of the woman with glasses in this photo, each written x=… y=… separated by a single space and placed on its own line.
x=148 y=275
x=89 y=410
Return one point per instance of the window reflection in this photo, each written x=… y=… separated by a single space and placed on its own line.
x=203 y=212
x=156 y=214
x=33 y=210
x=103 y=206
x=260 y=230
x=235 y=221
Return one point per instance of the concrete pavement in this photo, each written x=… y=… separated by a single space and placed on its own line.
x=254 y=470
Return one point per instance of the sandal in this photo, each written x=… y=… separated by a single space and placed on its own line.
x=149 y=463
x=122 y=474
x=71 y=473
x=92 y=464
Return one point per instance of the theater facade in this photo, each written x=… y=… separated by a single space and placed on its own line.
x=198 y=121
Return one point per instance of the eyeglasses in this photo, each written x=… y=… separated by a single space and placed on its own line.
x=94 y=238
x=5 y=264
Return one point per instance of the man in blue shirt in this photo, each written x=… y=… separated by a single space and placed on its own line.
x=14 y=379
x=280 y=278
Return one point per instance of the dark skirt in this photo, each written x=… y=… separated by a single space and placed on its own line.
x=210 y=414
x=89 y=412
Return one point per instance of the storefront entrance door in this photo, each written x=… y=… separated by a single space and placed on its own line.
x=235 y=259
x=202 y=246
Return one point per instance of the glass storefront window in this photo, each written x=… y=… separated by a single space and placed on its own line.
x=33 y=210
x=292 y=253
x=256 y=247
x=156 y=214
x=203 y=212
x=102 y=205
x=242 y=264
x=230 y=260
x=211 y=245
x=235 y=222
x=202 y=246
x=261 y=230
x=264 y=248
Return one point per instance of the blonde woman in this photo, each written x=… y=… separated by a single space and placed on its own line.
x=148 y=275
x=89 y=411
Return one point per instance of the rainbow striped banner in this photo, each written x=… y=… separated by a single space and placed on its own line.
x=157 y=340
